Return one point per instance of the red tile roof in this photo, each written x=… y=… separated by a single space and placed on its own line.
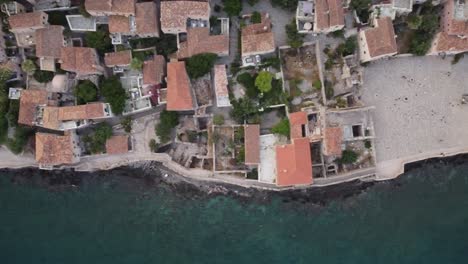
x=81 y=112
x=179 y=91
x=146 y=18
x=220 y=80
x=117 y=145
x=111 y=6
x=328 y=13
x=80 y=60
x=29 y=100
x=200 y=41
x=381 y=38
x=296 y=121
x=258 y=38
x=448 y=40
x=28 y=20
x=54 y=149
x=119 y=58
x=119 y=24
x=252 y=144
x=333 y=137
x=154 y=70
x=174 y=14
x=49 y=41
x=294 y=163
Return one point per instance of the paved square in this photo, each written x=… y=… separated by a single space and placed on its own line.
x=418 y=106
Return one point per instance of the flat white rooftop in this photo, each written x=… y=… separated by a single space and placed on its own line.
x=267 y=166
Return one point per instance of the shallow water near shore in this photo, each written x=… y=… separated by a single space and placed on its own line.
x=420 y=218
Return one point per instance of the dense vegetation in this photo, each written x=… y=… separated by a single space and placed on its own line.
x=165 y=45
x=348 y=156
x=425 y=32
x=290 y=5
x=282 y=128
x=85 y=92
x=114 y=94
x=96 y=142
x=43 y=76
x=99 y=40
x=263 y=81
x=295 y=39
x=362 y=9
x=200 y=64
x=167 y=121
x=232 y=7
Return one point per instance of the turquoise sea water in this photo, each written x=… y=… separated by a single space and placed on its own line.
x=421 y=218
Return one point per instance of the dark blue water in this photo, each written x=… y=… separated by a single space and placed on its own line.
x=422 y=219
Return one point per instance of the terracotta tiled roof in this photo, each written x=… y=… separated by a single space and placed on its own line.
x=445 y=43
x=146 y=18
x=333 y=136
x=252 y=144
x=328 y=13
x=294 y=163
x=381 y=38
x=119 y=58
x=179 y=91
x=54 y=149
x=119 y=24
x=111 y=6
x=154 y=70
x=452 y=25
x=200 y=41
x=27 y=20
x=220 y=80
x=49 y=41
x=174 y=14
x=79 y=59
x=258 y=38
x=81 y=112
x=29 y=100
x=117 y=145
x=296 y=120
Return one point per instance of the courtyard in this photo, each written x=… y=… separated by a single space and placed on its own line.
x=418 y=109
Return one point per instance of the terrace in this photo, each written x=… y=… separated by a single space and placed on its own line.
x=137 y=101
x=81 y=23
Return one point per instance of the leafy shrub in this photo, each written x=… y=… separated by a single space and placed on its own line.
x=200 y=64
x=99 y=40
x=85 y=92
x=256 y=18
x=114 y=94
x=282 y=128
x=232 y=7
x=97 y=142
x=218 y=120
x=43 y=76
x=348 y=156
x=295 y=39
x=168 y=121
x=263 y=81
x=248 y=81
x=126 y=123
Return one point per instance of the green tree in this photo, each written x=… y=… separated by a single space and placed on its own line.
x=13 y=113
x=256 y=18
x=200 y=64
x=126 y=123
x=99 y=40
x=263 y=81
x=218 y=120
x=248 y=81
x=29 y=67
x=114 y=94
x=19 y=140
x=167 y=121
x=282 y=128
x=243 y=109
x=136 y=64
x=295 y=39
x=348 y=47
x=285 y=4
x=5 y=75
x=97 y=142
x=362 y=9
x=414 y=21
x=348 y=156
x=85 y=92
x=232 y=7
x=43 y=76
x=153 y=145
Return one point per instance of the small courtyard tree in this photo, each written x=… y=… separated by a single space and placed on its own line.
x=232 y=7
x=414 y=21
x=295 y=39
x=29 y=67
x=263 y=81
x=136 y=64
x=86 y=92
x=200 y=64
x=114 y=94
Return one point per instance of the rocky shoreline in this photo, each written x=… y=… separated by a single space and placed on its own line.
x=145 y=177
